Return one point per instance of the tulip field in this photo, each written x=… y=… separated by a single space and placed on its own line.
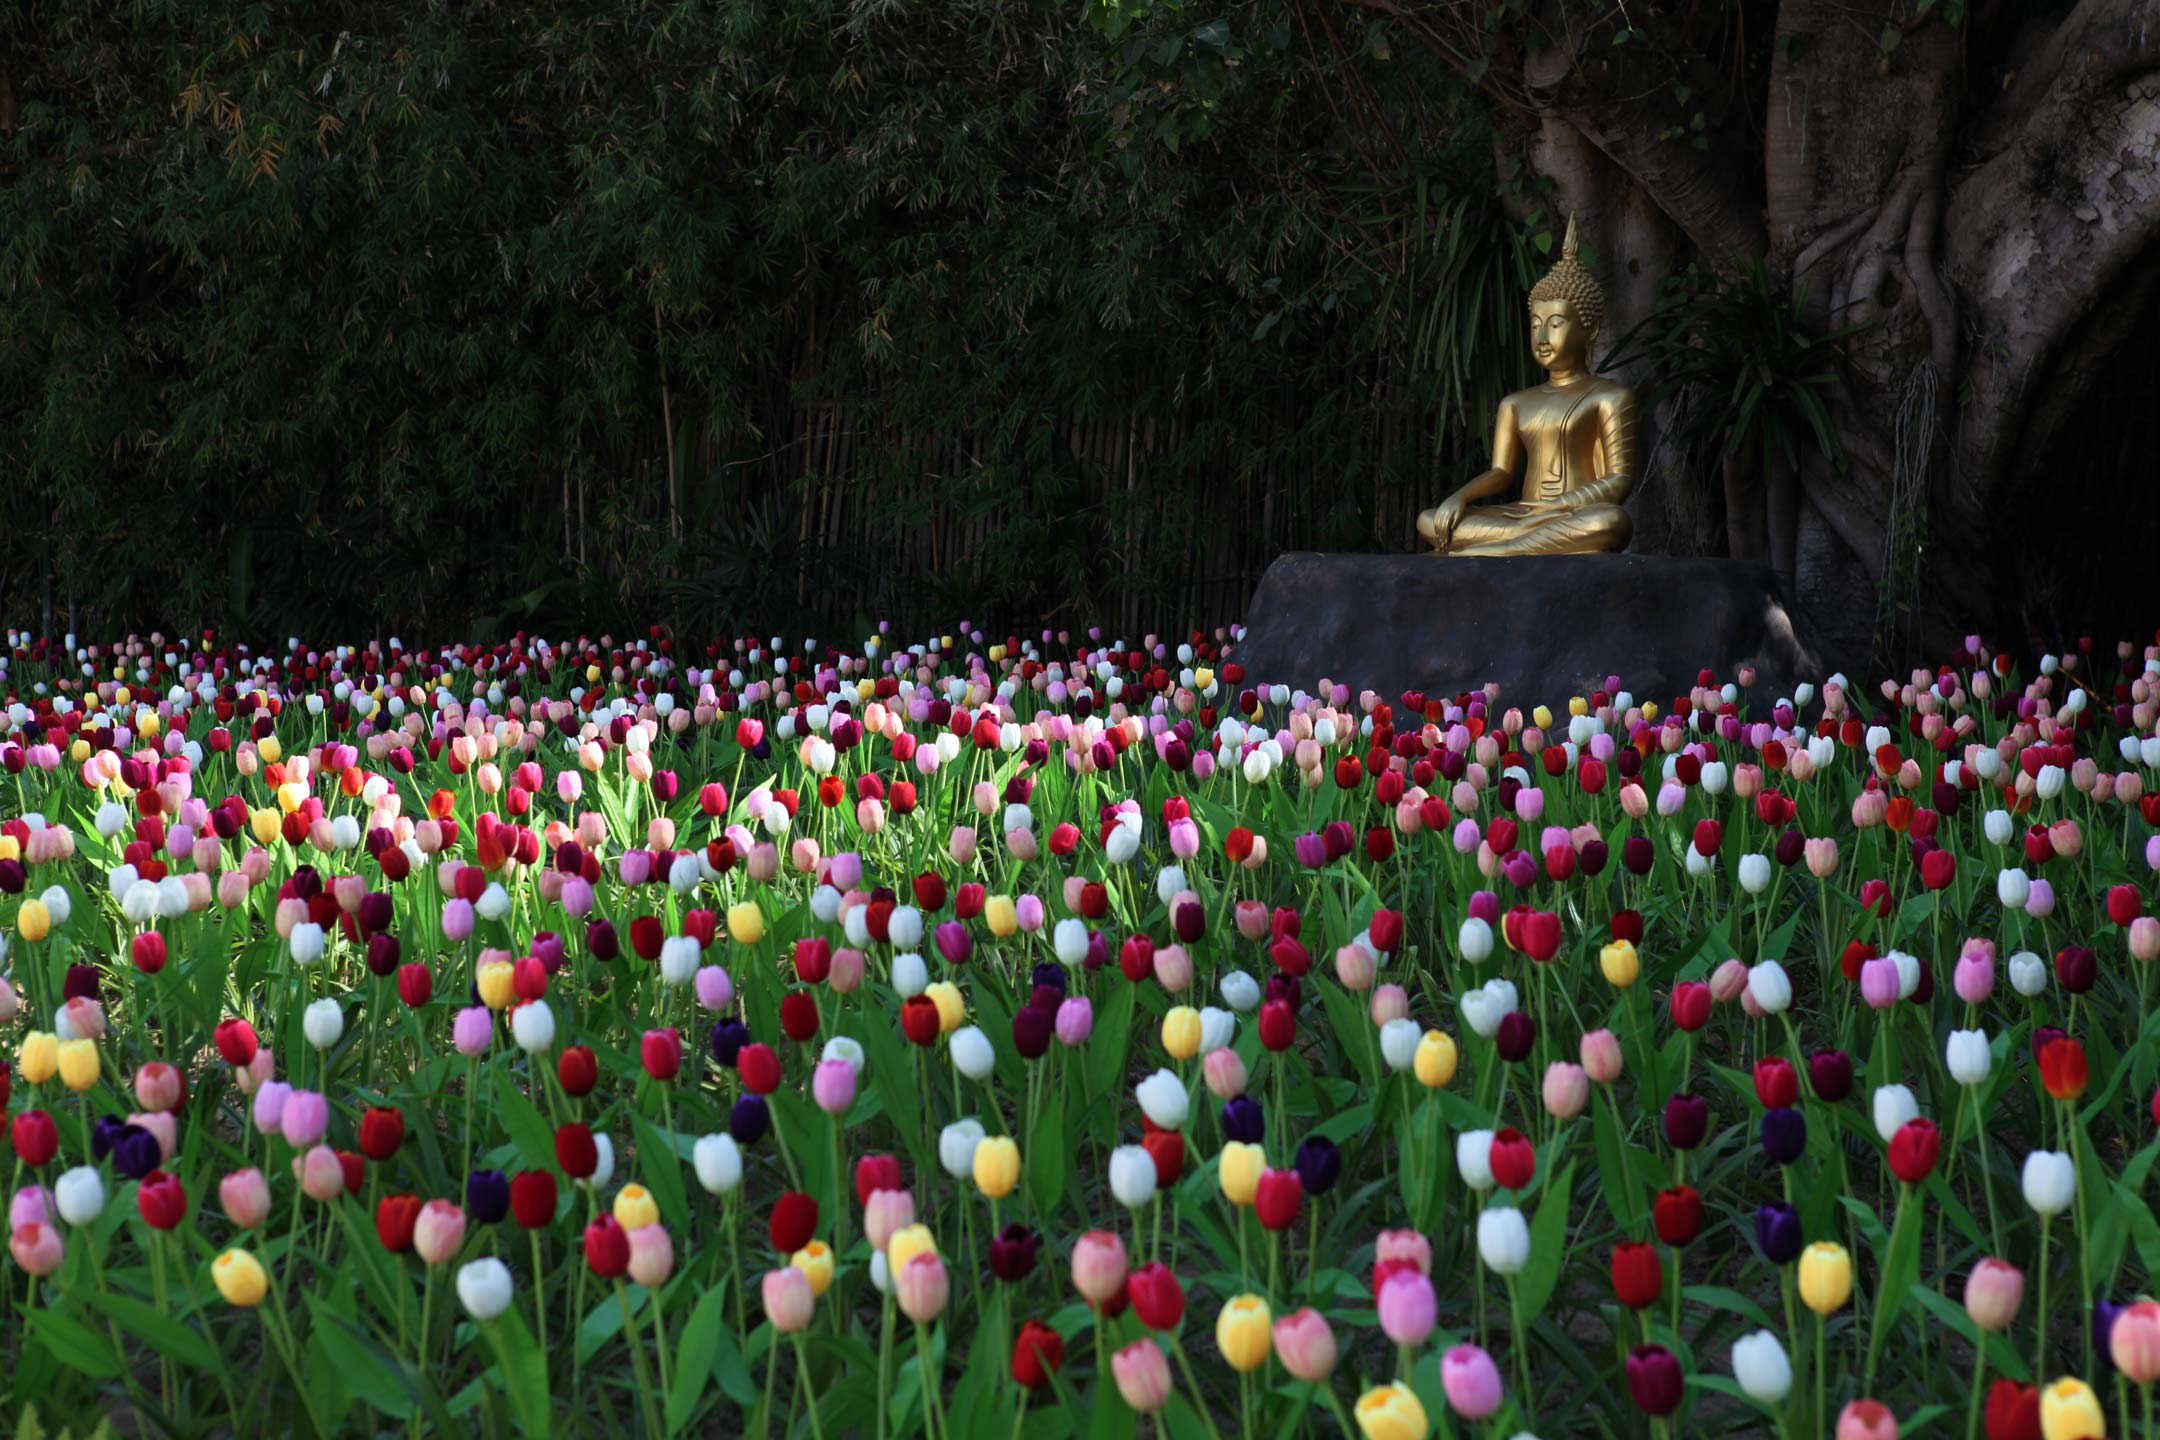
x=1069 y=1035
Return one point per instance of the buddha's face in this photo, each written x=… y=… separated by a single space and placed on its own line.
x=1558 y=338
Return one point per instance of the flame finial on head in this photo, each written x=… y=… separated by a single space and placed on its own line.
x=1571 y=280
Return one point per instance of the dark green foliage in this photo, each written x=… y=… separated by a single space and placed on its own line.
x=427 y=317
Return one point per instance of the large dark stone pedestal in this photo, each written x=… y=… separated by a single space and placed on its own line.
x=1544 y=628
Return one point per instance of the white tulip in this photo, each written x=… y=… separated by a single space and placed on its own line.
x=79 y=1195
x=1217 y=1029
x=1908 y=973
x=972 y=1053
x=2012 y=888
x=604 y=1170
x=1967 y=1057
x=1754 y=873
x=532 y=1025
x=1239 y=991
x=718 y=1162
x=1473 y=1159
x=1168 y=881
x=956 y=1148
x=483 y=1287
x=1474 y=940
x=910 y=976
x=1893 y=1106
x=1996 y=825
x=2028 y=974
x=306 y=943
x=1761 y=1366
x=1503 y=1240
x=494 y=902
x=679 y=958
x=1163 y=1100
x=323 y=1023
x=1132 y=1176
x=1770 y=987
x=1070 y=941
x=2050 y=1182
x=1399 y=1042
x=904 y=927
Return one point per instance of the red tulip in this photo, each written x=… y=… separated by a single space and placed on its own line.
x=382 y=1130
x=147 y=950
x=1167 y=1149
x=1386 y=931
x=918 y=1020
x=578 y=1070
x=36 y=1137
x=1691 y=1005
x=1278 y=1025
x=236 y=1042
x=1937 y=869
x=395 y=1217
x=576 y=1152
x=660 y=1051
x=1157 y=1297
x=1638 y=1276
x=2063 y=1068
x=799 y=1015
x=1677 y=1215
x=1539 y=935
x=1777 y=1085
x=1514 y=1161
x=162 y=1200
x=532 y=1198
x=1278 y=1198
x=415 y=985
x=1914 y=1149
x=1627 y=925
x=1709 y=835
x=607 y=1247
x=1036 y=1355
x=759 y=1068
x=2123 y=904
x=2013 y=1411
x=794 y=1222
x=874 y=1173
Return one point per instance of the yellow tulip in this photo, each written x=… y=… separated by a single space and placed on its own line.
x=79 y=751
x=494 y=982
x=1622 y=966
x=291 y=796
x=997 y=1166
x=951 y=1009
x=906 y=1243
x=2070 y=1411
x=635 y=1207
x=1002 y=916
x=1242 y=1333
x=746 y=923
x=39 y=1058
x=270 y=750
x=78 y=1064
x=122 y=695
x=1181 y=1032
x=9 y=850
x=816 y=1261
x=1825 y=1276
x=1202 y=678
x=33 y=921
x=592 y=674
x=1576 y=705
x=240 y=1278
x=1541 y=717
x=1392 y=1412
x=1435 y=1060
x=265 y=825
x=1239 y=1171
x=1649 y=710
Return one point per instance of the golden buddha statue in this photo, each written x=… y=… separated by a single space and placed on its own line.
x=1573 y=438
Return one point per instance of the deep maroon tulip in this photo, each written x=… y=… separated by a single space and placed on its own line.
x=1516 y=1036
x=1830 y=1075
x=1013 y=1251
x=1654 y=1379
x=1687 y=1121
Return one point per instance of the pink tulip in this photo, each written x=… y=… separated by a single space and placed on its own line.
x=1098 y=1266
x=1602 y=1057
x=1408 y=1307
x=245 y=1197
x=652 y=1256
x=1992 y=1294
x=30 y=1206
x=1566 y=1090
x=1471 y=1380
x=306 y=1116
x=1866 y=1420
x=1142 y=1375
x=37 y=1248
x=1305 y=1345
x=1408 y=1246
x=788 y=1299
x=322 y=1177
x=439 y=1231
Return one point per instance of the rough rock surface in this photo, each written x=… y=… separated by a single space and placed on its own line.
x=1544 y=628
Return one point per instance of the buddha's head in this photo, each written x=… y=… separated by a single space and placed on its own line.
x=1566 y=308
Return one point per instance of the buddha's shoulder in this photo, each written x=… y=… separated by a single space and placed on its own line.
x=1599 y=388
